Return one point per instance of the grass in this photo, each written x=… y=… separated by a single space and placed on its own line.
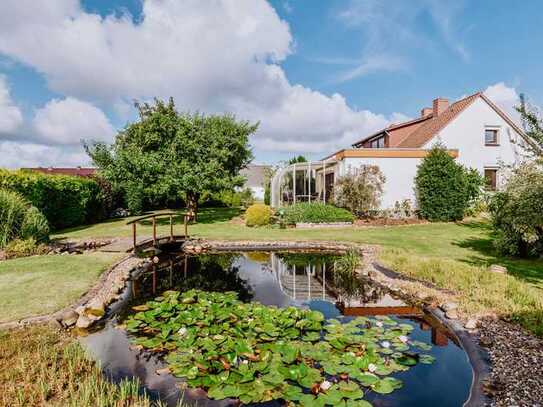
x=40 y=285
x=451 y=255
x=42 y=366
x=468 y=242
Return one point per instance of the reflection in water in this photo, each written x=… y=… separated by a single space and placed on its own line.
x=284 y=279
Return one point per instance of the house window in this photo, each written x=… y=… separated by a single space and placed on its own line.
x=491 y=177
x=491 y=137
x=378 y=143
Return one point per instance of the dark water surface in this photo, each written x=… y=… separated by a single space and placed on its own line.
x=283 y=279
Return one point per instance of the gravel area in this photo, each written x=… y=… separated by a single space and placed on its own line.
x=517 y=364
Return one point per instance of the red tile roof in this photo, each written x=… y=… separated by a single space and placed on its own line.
x=416 y=133
x=77 y=171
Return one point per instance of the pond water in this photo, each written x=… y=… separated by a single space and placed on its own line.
x=306 y=281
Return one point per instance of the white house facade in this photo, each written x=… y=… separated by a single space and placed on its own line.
x=474 y=131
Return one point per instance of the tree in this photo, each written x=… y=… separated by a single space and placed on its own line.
x=533 y=125
x=298 y=159
x=360 y=192
x=517 y=213
x=167 y=154
x=444 y=188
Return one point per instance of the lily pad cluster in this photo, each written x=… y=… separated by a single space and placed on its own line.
x=258 y=353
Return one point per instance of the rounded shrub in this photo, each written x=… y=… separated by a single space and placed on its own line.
x=316 y=213
x=258 y=215
x=444 y=188
x=34 y=225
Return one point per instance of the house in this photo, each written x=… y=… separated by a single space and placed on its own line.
x=256 y=176
x=475 y=131
x=74 y=171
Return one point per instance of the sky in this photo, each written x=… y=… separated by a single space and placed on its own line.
x=316 y=75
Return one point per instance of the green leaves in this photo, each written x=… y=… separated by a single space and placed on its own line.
x=257 y=353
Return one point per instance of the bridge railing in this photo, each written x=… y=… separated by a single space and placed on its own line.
x=134 y=222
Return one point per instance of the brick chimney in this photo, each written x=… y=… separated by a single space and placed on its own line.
x=439 y=106
x=426 y=111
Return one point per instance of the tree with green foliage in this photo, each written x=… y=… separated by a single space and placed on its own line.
x=444 y=188
x=298 y=159
x=517 y=213
x=167 y=154
x=533 y=125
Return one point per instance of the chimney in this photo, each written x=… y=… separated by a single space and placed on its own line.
x=439 y=106
x=426 y=111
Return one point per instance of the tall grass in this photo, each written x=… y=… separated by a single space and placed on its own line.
x=482 y=291
x=41 y=366
x=18 y=219
x=12 y=213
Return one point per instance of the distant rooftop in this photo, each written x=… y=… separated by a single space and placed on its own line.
x=74 y=171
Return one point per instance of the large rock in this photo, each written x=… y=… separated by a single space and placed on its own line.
x=449 y=306
x=452 y=314
x=83 y=322
x=496 y=268
x=69 y=318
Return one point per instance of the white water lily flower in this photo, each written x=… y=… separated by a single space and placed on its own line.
x=379 y=324
x=385 y=344
x=403 y=338
x=372 y=368
x=182 y=331
x=325 y=385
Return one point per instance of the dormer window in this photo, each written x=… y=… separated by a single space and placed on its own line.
x=378 y=143
x=491 y=137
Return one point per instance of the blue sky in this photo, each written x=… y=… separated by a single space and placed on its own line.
x=317 y=75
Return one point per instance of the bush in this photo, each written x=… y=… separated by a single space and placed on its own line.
x=258 y=215
x=316 y=213
x=18 y=219
x=64 y=200
x=444 y=188
x=360 y=192
x=24 y=248
x=517 y=213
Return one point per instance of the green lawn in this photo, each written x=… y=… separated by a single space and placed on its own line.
x=468 y=242
x=42 y=284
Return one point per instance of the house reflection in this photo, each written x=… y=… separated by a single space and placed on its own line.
x=352 y=294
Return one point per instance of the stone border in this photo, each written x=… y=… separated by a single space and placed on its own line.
x=327 y=225
x=93 y=305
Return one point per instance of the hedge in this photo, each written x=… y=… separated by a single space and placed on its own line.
x=316 y=213
x=65 y=201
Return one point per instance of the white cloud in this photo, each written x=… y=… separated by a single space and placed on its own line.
x=11 y=117
x=506 y=98
x=69 y=121
x=16 y=154
x=213 y=56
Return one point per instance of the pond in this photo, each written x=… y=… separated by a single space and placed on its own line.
x=332 y=322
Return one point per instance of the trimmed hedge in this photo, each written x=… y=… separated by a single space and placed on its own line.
x=65 y=201
x=258 y=215
x=316 y=213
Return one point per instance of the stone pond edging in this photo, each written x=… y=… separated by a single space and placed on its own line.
x=93 y=305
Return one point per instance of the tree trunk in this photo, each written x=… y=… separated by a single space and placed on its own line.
x=192 y=204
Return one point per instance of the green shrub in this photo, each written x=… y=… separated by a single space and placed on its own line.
x=258 y=215
x=517 y=213
x=34 y=225
x=360 y=192
x=18 y=219
x=444 y=188
x=24 y=248
x=316 y=213
x=64 y=200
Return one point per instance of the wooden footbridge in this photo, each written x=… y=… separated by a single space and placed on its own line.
x=172 y=240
